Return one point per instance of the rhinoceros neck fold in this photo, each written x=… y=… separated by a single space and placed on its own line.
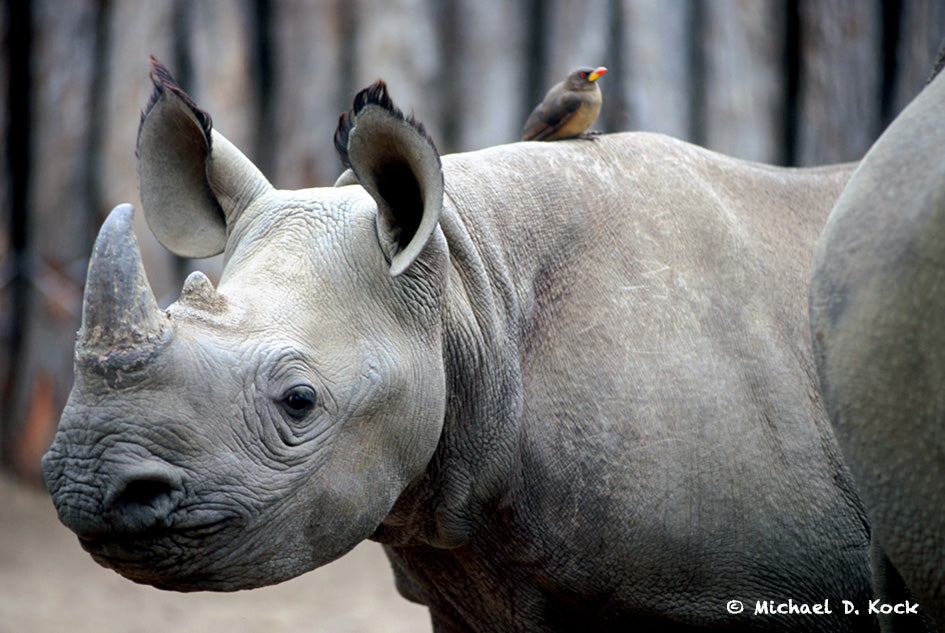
x=119 y=312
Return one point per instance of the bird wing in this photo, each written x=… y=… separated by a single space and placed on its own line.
x=547 y=118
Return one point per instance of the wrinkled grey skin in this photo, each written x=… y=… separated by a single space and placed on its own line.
x=570 y=390
x=878 y=318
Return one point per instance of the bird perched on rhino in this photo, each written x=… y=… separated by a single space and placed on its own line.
x=569 y=108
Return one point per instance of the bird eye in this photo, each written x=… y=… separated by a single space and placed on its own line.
x=298 y=401
x=583 y=75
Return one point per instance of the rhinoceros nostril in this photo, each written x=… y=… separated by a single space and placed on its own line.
x=144 y=492
x=144 y=499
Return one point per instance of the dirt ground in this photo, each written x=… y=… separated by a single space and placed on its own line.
x=49 y=585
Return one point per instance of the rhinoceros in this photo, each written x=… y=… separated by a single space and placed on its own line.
x=877 y=308
x=568 y=385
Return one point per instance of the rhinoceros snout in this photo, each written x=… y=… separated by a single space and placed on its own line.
x=130 y=501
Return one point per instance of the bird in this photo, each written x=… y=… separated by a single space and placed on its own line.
x=569 y=108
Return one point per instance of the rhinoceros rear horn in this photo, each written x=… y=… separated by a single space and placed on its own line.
x=119 y=311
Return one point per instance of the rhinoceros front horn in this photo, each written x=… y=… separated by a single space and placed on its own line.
x=121 y=320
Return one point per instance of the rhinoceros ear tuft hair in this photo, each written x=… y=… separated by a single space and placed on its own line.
x=375 y=94
x=163 y=80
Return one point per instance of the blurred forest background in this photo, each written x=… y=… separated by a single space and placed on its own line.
x=789 y=82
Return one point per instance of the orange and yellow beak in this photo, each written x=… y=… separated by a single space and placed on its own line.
x=600 y=70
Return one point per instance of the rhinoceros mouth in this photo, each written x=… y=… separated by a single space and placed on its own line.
x=195 y=558
x=155 y=548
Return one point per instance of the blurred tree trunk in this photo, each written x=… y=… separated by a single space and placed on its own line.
x=743 y=96
x=656 y=64
x=58 y=230
x=919 y=34
x=313 y=80
x=15 y=134
x=487 y=68
x=841 y=71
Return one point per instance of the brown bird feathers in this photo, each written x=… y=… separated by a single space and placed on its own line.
x=569 y=109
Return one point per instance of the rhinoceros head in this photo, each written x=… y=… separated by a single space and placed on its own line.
x=256 y=430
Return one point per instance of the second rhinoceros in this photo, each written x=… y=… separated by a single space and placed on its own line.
x=566 y=385
x=877 y=310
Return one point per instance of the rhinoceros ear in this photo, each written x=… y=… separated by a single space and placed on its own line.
x=397 y=163
x=194 y=183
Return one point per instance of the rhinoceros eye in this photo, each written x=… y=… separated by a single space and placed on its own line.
x=298 y=401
